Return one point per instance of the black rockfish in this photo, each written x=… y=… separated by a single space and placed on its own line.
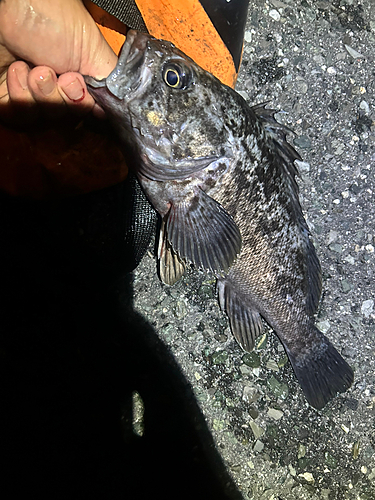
x=222 y=177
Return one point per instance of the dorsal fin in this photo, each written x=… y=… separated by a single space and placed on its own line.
x=278 y=133
x=288 y=155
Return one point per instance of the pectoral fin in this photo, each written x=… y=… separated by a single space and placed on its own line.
x=201 y=231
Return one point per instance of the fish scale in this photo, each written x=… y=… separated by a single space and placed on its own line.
x=223 y=180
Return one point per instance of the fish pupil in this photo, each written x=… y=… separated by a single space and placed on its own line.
x=172 y=78
x=175 y=76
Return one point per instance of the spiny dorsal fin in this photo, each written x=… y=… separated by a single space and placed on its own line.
x=278 y=133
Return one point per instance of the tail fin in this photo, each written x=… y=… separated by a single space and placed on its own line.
x=321 y=371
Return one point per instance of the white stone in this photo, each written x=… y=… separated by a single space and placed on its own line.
x=308 y=476
x=275 y=414
x=274 y=14
x=324 y=326
x=303 y=166
x=367 y=307
x=353 y=52
x=248 y=36
x=366 y=108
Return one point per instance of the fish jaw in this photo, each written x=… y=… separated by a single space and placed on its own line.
x=127 y=76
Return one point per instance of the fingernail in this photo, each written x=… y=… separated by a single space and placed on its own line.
x=46 y=84
x=74 y=90
x=22 y=78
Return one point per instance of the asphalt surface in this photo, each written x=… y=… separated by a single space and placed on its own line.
x=313 y=61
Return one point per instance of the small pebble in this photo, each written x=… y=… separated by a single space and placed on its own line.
x=248 y=36
x=331 y=71
x=251 y=359
x=280 y=390
x=339 y=150
x=365 y=107
x=275 y=414
x=349 y=259
x=274 y=14
x=302 y=87
x=258 y=446
x=302 y=142
x=218 y=358
x=367 y=307
x=324 y=326
x=257 y=431
x=332 y=237
x=249 y=394
x=272 y=365
x=308 y=477
x=355 y=450
x=303 y=166
x=180 y=310
x=336 y=247
x=301 y=451
x=346 y=286
x=353 y=52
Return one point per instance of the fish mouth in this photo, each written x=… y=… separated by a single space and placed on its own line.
x=129 y=74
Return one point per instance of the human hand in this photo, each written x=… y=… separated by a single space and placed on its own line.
x=58 y=38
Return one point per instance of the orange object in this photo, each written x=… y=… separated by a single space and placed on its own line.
x=114 y=39
x=186 y=24
x=112 y=29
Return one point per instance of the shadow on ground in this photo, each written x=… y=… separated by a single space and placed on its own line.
x=72 y=353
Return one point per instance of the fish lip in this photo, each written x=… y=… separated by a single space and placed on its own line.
x=127 y=76
x=93 y=83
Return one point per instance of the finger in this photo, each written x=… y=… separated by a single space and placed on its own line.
x=18 y=89
x=17 y=103
x=42 y=82
x=74 y=92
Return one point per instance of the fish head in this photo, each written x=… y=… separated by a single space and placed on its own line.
x=166 y=103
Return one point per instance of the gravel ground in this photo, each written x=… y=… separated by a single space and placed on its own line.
x=314 y=61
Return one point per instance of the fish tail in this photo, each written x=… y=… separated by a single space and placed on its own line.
x=320 y=369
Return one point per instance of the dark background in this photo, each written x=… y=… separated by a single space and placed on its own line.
x=72 y=353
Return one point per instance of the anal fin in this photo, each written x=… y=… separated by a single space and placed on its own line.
x=245 y=321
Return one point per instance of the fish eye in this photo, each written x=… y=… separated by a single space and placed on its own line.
x=175 y=76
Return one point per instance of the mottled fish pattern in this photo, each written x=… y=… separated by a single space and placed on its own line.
x=222 y=177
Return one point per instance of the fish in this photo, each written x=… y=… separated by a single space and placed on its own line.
x=222 y=176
